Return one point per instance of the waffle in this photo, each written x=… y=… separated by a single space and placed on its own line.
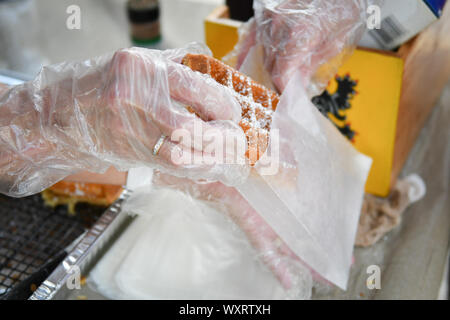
x=257 y=102
x=71 y=193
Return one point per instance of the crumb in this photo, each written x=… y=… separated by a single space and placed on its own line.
x=33 y=287
x=83 y=280
x=81 y=298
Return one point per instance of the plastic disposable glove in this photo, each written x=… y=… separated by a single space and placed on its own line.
x=312 y=36
x=107 y=111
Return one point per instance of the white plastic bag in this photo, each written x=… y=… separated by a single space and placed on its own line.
x=190 y=241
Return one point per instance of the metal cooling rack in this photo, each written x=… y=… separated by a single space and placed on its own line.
x=32 y=234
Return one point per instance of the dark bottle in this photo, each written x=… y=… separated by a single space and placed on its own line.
x=240 y=10
x=144 y=21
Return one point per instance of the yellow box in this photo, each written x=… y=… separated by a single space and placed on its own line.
x=373 y=111
x=221 y=33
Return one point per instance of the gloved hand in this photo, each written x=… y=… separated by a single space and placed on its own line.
x=312 y=36
x=107 y=111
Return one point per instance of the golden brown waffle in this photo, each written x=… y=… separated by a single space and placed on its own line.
x=257 y=102
x=71 y=193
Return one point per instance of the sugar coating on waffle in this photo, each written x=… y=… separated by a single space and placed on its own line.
x=257 y=102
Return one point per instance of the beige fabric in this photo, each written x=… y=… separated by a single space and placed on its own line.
x=381 y=215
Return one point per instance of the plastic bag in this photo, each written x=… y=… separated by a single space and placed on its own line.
x=310 y=36
x=111 y=110
x=198 y=241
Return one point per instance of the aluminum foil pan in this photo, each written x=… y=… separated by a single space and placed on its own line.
x=86 y=252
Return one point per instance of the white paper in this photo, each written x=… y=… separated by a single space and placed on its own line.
x=314 y=201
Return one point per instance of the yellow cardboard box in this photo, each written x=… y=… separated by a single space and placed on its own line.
x=221 y=33
x=373 y=110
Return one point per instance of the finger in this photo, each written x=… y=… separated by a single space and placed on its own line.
x=195 y=164
x=149 y=80
x=210 y=100
x=177 y=155
x=191 y=132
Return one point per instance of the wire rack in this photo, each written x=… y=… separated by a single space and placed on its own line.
x=31 y=234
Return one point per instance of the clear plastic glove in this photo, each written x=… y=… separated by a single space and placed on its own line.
x=107 y=111
x=312 y=36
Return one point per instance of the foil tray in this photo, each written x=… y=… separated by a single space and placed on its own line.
x=84 y=255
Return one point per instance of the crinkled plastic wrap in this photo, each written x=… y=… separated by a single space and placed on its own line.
x=236 y=254
x=309 y=36
x=110 y=110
